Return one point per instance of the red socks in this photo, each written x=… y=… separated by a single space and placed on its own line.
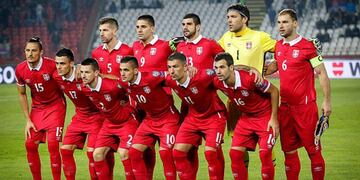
x=213 y=165
x=150 y=160
x=69 y=165
x=128 y=169
x=237 y=164
x=292 y=166
x=221 y=162
x=183 y=165
x=111 y=163
x=138 y=164
x=317 y=166
x=55 y=159
x=168 y=164
x=92 y=170
x=102 y=170
x=33 y=159
x=267 y=166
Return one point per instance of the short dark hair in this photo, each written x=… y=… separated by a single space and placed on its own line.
x=177 y=56
x=65 y=52
x=148 y=18
x=109 y=20
x=35 y=39
x=290 y=12
x=130 y=59
x=241 y=9
x=194 y=17
x=92 y=62
x=225 y=56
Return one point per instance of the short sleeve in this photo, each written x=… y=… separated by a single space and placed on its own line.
x=268 y=44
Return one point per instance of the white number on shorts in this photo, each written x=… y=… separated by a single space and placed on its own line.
x=73 y=94
x=109 y=68
x=271 y=140
x=170 y=139
x=129 y=142
x=142 y=61
x=219 y=137
x=59 y=131
x=190 y=61
x=141 y=98
x=284 y=66
x=188 y=100
x=39 y=87
x=239 y=102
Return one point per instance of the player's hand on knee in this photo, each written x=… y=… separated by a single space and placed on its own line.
x=28 y=126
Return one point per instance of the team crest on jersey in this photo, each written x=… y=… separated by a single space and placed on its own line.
x=137 y=51
x=194 y=90
x=27 y=81
x=228 y=44
x=248 y=45
x=118 y=58
x=78 y=86
x=295 y=53
x=199 y=50
x=147 y=89
x=209 y=72
x=46 y=77
x=107 y=97
x=152 y=51
x=245 y=93
x=278 y=53
x=101 y=59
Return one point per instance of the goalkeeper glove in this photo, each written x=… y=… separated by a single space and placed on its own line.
x=174 y=42
x=321 y=126
x=317 y=45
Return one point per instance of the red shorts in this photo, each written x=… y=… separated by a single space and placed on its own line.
x=164 y=129
x=117 y=136
x=82 y=127
x=251 y=130
x=49 y=122
x=212 y=129
x=297 y=126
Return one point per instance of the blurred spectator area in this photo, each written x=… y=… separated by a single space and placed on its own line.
x=58 y=23
x=335 y=22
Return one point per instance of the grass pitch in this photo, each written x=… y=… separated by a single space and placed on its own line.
x=341 y=147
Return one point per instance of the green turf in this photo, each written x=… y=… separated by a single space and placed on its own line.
x=340 y=142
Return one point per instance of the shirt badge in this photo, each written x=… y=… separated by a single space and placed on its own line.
x=78 y=86
x=137 y=51
x=199 y=50
x=228 y=44
x=152 y=51
x=147 y=89
x=194 y=90
x=101 y=59
x=245 y=93
x=46 y=77
x=295 y=53
x=248 y=45
x=210 y=72
x=278 y=53
x=107 y=97
x=118 y=58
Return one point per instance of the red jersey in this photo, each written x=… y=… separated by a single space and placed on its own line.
x=110 y=98
x=295 y=71
x=109 y=62
x=152 y=56
x=44 y=89
x=73 y=89
x=199 y=93
x=200 y=53
x=149 y=94
x=249 y=97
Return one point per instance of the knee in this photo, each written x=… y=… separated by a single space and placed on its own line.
x=53 y=146
x=124 y=155
x=165 y=153
x=98 y=155
x=31 y=146
x=236 y=155
x=211 y=156
x=178 y=154
x=265 y=156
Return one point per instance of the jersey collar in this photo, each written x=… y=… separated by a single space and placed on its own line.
x=38 y=66
x=196 y=40
x=294 y=41
x=242 y=32
x=152 y=42
x=185 y=84
x=117 y=46
x=98 y=85
x=137 y=80
x=71 y=78
x=237 y=81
